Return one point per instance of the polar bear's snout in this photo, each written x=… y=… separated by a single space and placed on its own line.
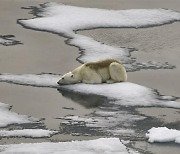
x=60 y=82
x=68 y=78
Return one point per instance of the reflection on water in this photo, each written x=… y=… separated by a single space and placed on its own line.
x=108 y=119
x=86 y=100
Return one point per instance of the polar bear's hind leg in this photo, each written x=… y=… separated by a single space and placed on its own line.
x=91 y=77
x=117 y=72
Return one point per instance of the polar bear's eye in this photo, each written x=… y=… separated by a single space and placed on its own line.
x=72 y=76
x=63 y=78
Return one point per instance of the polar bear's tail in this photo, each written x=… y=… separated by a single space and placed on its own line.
x=117 y=72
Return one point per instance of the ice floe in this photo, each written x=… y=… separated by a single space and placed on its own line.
x=125 y=93
x=33 y=133
x=38 y=80
x=163 y=134
x=65 y=20
x=92 y=50
x=7 y=40
x=101 y=145
x=8 y=117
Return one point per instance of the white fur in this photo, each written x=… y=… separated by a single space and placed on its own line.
x=114 y=72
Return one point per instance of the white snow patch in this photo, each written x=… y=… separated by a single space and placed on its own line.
x=101 y=145
x=8 y=117
x=65 y=20
x=163 y=134
x=125 y=93
x=34 y=133
x=95 y=51
x=39 y=80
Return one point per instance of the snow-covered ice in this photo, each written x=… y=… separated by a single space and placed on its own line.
x=33 y=133
x=65 y=20
x=163 y=134
x=38 y=80
x=101 y=145
x=124 y=93
x=92 y=50
x=8 y=117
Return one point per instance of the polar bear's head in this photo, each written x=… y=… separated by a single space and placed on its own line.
x=68 y=78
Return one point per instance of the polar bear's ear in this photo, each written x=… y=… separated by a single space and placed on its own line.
x=72 y=76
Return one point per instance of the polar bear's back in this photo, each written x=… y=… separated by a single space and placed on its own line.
x=101 y=64
x=100 y=69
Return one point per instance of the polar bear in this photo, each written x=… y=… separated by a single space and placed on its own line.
x=105 y=71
